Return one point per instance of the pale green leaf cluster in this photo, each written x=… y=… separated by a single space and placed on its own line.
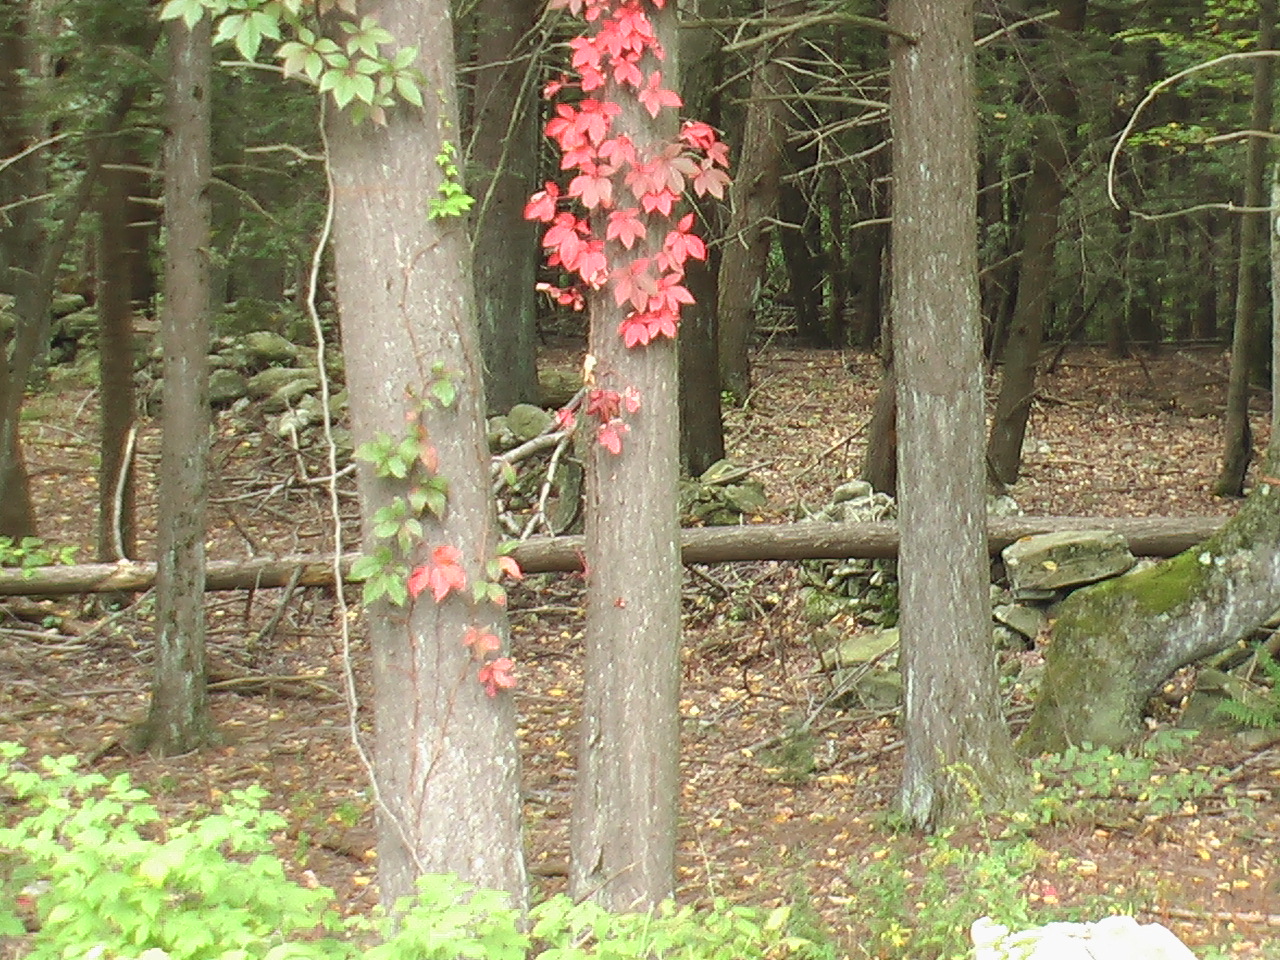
x=115 y=880
x=452 y=200
x=353 y=68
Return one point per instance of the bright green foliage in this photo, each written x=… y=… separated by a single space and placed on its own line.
x=121 y=878
x=32 y=552
x=1261 y=710
x=1103 y=782
x=453 y=201
x=411 y=460
x=117 y=881
x=353 y=70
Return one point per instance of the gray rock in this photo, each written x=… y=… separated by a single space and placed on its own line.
x=269 y=382
x=853 y=490
x=862 y=649
x=1026 y=620
x=1051 y=561
x=263 y=347
x=226 y=386
x=527 y=421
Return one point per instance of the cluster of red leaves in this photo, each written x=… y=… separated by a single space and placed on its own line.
x=606 y=407
x=443 y=574
x=627 y=189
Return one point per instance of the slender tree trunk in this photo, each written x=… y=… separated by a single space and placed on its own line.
x=504 y=141
x=956 y=741
x=179 y=720
x=114 y=303
x=754 y=197
x=446 y=763
x=701 y=417
x=1044 y=196
x=21 y=245
x=623 y=829
x=1237 y=433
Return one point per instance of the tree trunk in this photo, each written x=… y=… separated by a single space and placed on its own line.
x=623 y=828
x=446 y=764
x=802 y=251
x=1044 y=196
x=701 y=417
x=754 y=198
x=179 y=719
x=956 y=741
x=114 y=304
x=880 y=462
x=20 y=250
x=504 y=151
x=1236 y=431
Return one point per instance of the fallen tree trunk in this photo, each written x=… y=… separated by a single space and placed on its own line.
x=1149 y=536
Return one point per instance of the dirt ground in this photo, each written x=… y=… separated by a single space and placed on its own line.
x=1108 y=438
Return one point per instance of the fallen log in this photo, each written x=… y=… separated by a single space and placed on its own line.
x=1147 y=536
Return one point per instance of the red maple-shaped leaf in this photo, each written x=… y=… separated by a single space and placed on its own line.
x=511 y=567
x=653 y=97
x=444 y=572
x=592 y=265
x=625 y=227
x=565 y=418
x=661 y=202
x=542 y=205
x=635 y=283
x=419 y=578
x=681 y=245
x=710 y=180
x=626 y=71
x=610 y=434
x=594 y=186
x=496 y=675
x=697 y=134
x=619 y=151
x=481 y=642
x=603 y=404
x=670 y=296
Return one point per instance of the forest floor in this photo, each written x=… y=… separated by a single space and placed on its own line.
x=769 y=815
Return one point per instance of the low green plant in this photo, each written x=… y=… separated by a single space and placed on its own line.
x=31 y=552
x=99 y=873
x=1103 y=782
x=1261 y=708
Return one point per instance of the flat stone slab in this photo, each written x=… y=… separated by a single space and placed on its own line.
x=1053 y=561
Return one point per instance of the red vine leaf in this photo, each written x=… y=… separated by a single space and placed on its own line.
x=653 y=97
x=496 y=675
x=610 y=434
x=481 y=642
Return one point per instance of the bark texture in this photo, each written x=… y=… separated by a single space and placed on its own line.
x=754 y=196
x=955 y=739
x=504 y=151
x=446 y=765
x=623 y=828
x=1237 y=434
x=179 y=719
x=1043 y=203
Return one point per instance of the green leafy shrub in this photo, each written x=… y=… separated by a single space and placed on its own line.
x=1103 y=782
x=1261 y=709
x=113 y=879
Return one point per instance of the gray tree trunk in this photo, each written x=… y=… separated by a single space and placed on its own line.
x=504 y=151
x=754 y=199
x=956 y=740
x=1236 y=431
x=446 y=762
x=623 y=830
x=1043 y=203
x=179 y=719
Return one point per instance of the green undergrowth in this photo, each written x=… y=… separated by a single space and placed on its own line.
x=918 y=896
x=90 y=869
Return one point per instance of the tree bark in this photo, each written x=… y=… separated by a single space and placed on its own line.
x=754 y=199
x=446 y=765
x=1043 y=202
x=623 y=827
x=1237 y=434
x=955 y=739
x=179 y=720
x=504 y=151
x=114 y=304
x=1147 y=537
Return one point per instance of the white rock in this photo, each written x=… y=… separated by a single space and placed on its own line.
x=1112 y=938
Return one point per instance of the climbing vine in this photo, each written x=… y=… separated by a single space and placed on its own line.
x=622 y=195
